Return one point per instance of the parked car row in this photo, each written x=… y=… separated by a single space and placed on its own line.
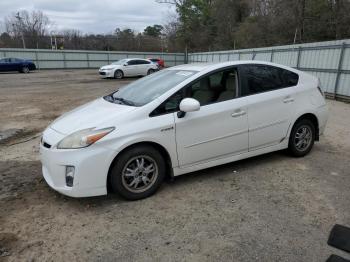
x=123 y=68
x=16 y=64
x=180 y=120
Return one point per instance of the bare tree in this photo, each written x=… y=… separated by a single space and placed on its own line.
x=31 y=27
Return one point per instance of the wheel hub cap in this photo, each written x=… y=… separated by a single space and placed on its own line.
x=139 y=173
x=303 y=138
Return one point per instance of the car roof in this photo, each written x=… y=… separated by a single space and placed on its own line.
x=212 y=66
x=136 y=59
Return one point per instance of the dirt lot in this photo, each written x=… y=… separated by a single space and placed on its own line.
x=269 y=208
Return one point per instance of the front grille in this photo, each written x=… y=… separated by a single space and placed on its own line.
x=102 y=73
x=46 y=145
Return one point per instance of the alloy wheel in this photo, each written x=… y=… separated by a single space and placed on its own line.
x=303 y=138
x=118 y=74
x=139 y=174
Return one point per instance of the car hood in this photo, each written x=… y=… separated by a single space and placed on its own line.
x=107 y=67
x=98 y=113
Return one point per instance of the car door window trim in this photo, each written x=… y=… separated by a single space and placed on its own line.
x=244 y=86
x=187 y=86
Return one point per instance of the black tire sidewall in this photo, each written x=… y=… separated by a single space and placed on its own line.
x=25 y=69
x=150 y=71
x=116 y=172
x=115 y=74
x=292 y=149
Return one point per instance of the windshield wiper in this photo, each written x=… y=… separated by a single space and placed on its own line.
x=109 y=98
x=124 y=101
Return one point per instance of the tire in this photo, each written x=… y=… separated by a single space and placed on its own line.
x=128 y=175
x=150 y=71
x=118 y=74
x=299 y=147
x=25 y=69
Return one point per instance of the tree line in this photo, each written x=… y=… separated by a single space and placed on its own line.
x=198 y=25
x=204 y=25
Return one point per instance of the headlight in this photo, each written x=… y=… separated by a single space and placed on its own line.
x=83 y=138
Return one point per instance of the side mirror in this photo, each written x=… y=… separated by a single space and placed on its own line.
x=126 y=64
x=188 y=105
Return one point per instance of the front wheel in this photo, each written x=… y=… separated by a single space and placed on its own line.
x=150 y=71
x=302 y=138
x=138 y=173
x=118 y=74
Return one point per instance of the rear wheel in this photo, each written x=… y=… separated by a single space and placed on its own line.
x=25 y=69
x=118 y=74
x=302 y=138
x=138 y=173
x=150 y=71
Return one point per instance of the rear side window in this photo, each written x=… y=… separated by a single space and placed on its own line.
x=264 y=78
x=132 y=62
x=289 y=78
x=142 y=62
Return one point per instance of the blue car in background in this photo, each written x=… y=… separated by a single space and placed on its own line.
x=16 y=64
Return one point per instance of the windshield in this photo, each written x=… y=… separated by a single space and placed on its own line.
x=149 y=88
x=120 y=62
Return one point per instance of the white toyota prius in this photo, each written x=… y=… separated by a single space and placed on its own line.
x=180 y=120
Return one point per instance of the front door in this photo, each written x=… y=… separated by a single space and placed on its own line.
x=220 y=128
x=131 y=68
x=216 y=131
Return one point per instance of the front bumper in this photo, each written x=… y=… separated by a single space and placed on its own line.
x=106 y=73
x=91 y=167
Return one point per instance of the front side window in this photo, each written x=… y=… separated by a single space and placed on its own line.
x=120 y=62
x=149 y=88
x=132 y=62
x=218 y=87
x=215 y=88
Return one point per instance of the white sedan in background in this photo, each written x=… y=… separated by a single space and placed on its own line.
x=180 y=120
x=128 y=68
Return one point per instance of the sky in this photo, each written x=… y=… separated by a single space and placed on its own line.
x=94 y=16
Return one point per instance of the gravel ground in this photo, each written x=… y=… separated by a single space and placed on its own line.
x=268 y=208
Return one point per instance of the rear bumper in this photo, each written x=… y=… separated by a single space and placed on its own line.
x=322 y=117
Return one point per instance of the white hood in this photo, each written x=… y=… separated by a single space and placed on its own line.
x=98 y=113
x=108 y=67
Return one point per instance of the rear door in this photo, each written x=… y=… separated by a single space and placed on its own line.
x=143 y=67
x=270 y=104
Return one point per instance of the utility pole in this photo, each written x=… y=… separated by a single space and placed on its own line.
x=21 y=27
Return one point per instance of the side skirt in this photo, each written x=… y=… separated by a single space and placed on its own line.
x=187 y=169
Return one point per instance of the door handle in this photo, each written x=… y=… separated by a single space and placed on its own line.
x=288 y=100
x=238 y=113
